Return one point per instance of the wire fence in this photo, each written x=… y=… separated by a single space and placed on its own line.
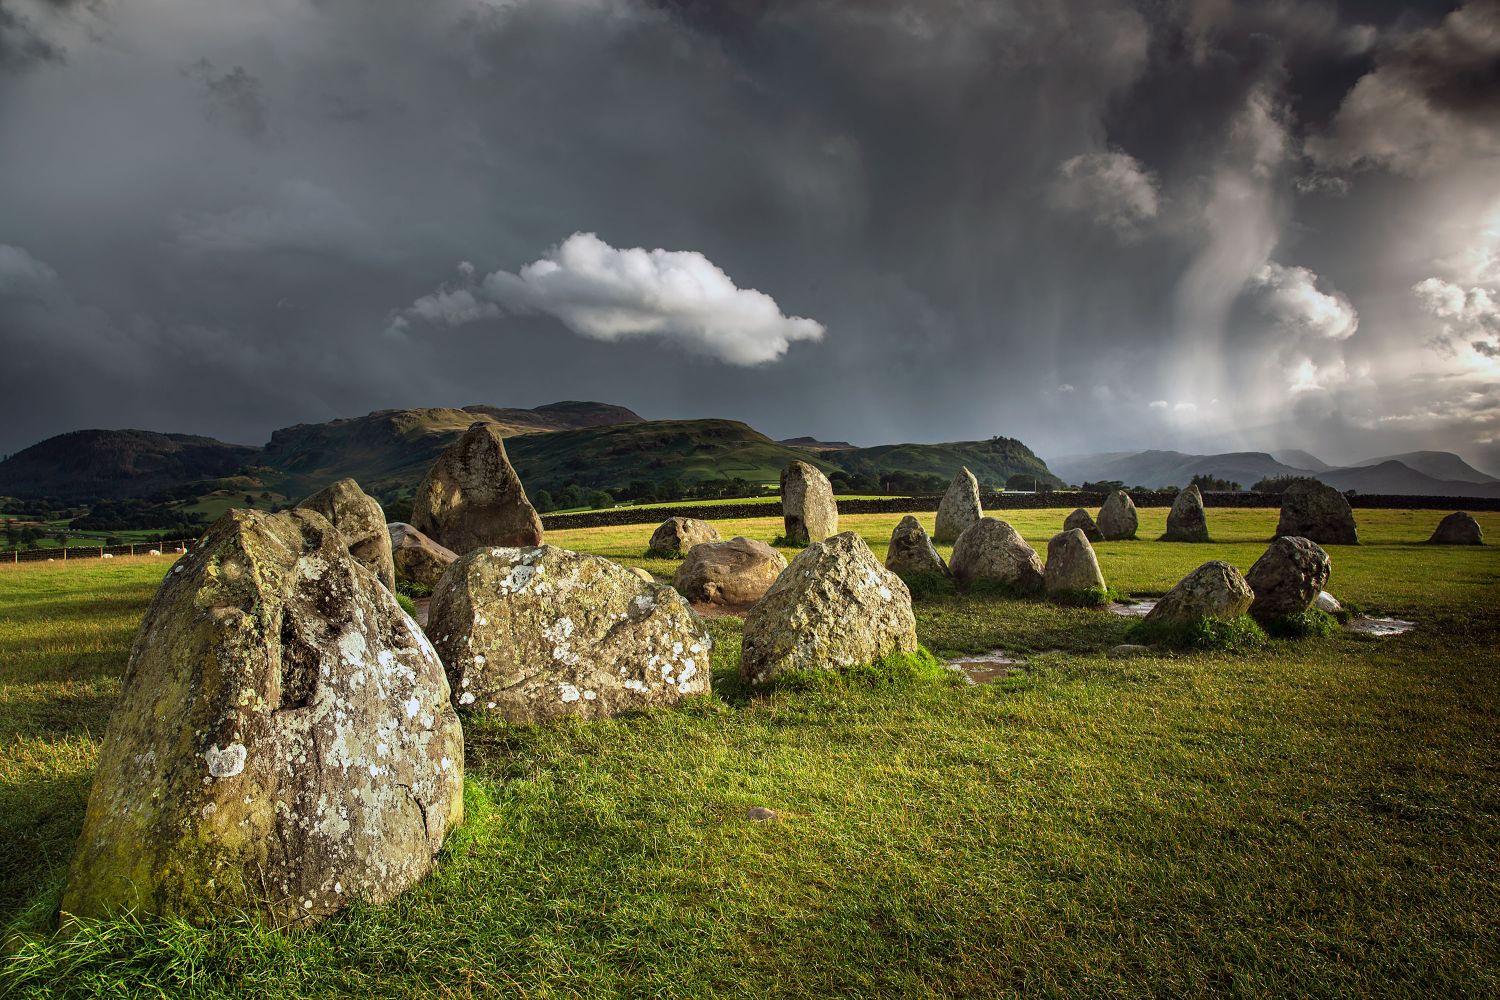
x=79 y=553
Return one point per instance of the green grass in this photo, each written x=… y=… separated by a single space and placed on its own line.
x=1316 y=817
x=1221 y=635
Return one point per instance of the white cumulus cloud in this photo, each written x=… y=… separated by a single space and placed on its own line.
x=1291 y=298
x=1113 y=189
x=1469 y=314
x=610 y=294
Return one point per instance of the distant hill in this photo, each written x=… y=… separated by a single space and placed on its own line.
x=1396 y=477
x=1437 y=464
x=992 y=462
x=103 y=464
x=567 y=415
x=1299 y=459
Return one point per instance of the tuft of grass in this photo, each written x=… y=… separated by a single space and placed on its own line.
x=1183 y=536
x=1216 y=635
x=664 y=554
x=1309 y=623
x=1093 y=597
x=928 y=586
x=1002 y=589
x=413 y=589
x=891 y=670
x=407 y=604
x=783 y=542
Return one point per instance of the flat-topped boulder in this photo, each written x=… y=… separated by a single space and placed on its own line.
x=1072 y=567
x=418 y=559
x=360 y=520
x=1287 y=578
x=676 y=535
x=531 y=634
x=1118 y=519
x=736 y=572
x=1084 y=522
x=991 y=551
x=1457 y=528
x=808 y=510
x=1214 y=590
x=1186 y=521
x=959 y=508
x=835 y=606
x=283 y=742
x=911 y=553
x=1319 y=513
x=472 y=497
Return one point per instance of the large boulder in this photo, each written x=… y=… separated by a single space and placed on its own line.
x=835 y=606
x=1084 y=522
x=283 y=742
x=911 y=554
x=1072 y=567
x=1186 y=521
x=1117 y=518
x=959 y=507
x=1457 y=528
x=472 y=497
x=807 y=506
x=1287 y=578
x=1214 y=590
x=1319 y=513
x=536 y=633
x=738 y=571
x=676 y=535
x=418 y=558
x=362 y=523
x=991 y=551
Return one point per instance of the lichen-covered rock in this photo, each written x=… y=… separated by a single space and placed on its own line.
x=1457 y=528
x=1319 y=513
x=283 y=742
x=1072 y=567
x=911 y=553
x=1084 y=522
x=676 y=535
x=959 y=507
x=738 y=571
x=418 y=558
x=472 y=497
x=1117 y=518
x=536 y=633
x=1214 y=590
x=991 y=551
x=362 y=523
x=808 y=509
x=1186 y=521
x=1287 y=578
x=835 y=606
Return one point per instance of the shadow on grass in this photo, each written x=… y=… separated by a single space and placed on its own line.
x=39 y=823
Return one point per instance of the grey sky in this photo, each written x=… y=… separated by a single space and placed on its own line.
x=1091 y=225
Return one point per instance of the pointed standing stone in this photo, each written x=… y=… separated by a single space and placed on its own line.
x=1288 y=577
x=1084 y=522
x=362 y=523
x=959 y=508
x=1186 y=521
x=1072 y=567
x=1117 y=518
x=911 y=553
x=472 y=497
x=1457 y=528
x=807 y=506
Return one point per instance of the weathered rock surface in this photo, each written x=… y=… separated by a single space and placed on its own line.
x=362 y=523
x=1318 y=513
x=1186 y=521
x=1072 y=567
x=807 y=506
x=417 y=557
x=1287 y=578
x=990 y=550
x=641 y=574
x=959 y=507
x=911 y=553
x=676 y=535
x=472 y=497
x=1457 y=528
x=1117 y=518
x=1326 y=602
x=283 y=742
x=835 y=606
x=1214 y=590
x=536 y=633
x=1084 y=522
x=738 y=571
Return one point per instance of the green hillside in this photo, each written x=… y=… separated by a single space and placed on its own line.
x=992 y=461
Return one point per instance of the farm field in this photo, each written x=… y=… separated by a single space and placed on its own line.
x=1320 y=817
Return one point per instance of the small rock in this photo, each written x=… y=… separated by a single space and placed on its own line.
x=1118 y=519
x=808 y=510
x=1319 y=513
x=1214 y=590
x=959 y=507
x=990 y=550
x=676 y=535
x=760 y=814
x=1457 y=528
x=1127 y=649
x=418 y=558
x=641 y=574
x=1072 y=567
x=1327 y=603
x=1084 y=522
x=1287 y=578
x=738 y=571
x=911 y=553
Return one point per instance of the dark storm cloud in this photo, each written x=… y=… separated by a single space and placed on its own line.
x=979 y=203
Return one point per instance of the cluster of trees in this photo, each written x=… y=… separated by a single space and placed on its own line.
x=1279 y=484
x=572 y=494
x=39 y=508
x=137 y=515
x=1213 y=484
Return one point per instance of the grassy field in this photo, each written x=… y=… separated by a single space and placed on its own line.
x=1320 y=818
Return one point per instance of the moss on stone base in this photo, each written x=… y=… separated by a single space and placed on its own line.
x=1229 y=635
x=1311 y=622
x=891 y=670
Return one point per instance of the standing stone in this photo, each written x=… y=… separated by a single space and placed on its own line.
x=362 y=523
x=1319 y=513
x=283 y=741
x=738 y=571
x=1117 y=518
x=676 y=535
x=959 y=508
x=536 y=633
x=911 y=553
x=1084 y=522
x=807 y=506
x=1214 y=590
x=1186 y=521
x=1457 y=528
x=990 y=550
x=1287 y=578
x=472 y=497
x=835 y=606
x=1072 y=567
x=418 y=558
